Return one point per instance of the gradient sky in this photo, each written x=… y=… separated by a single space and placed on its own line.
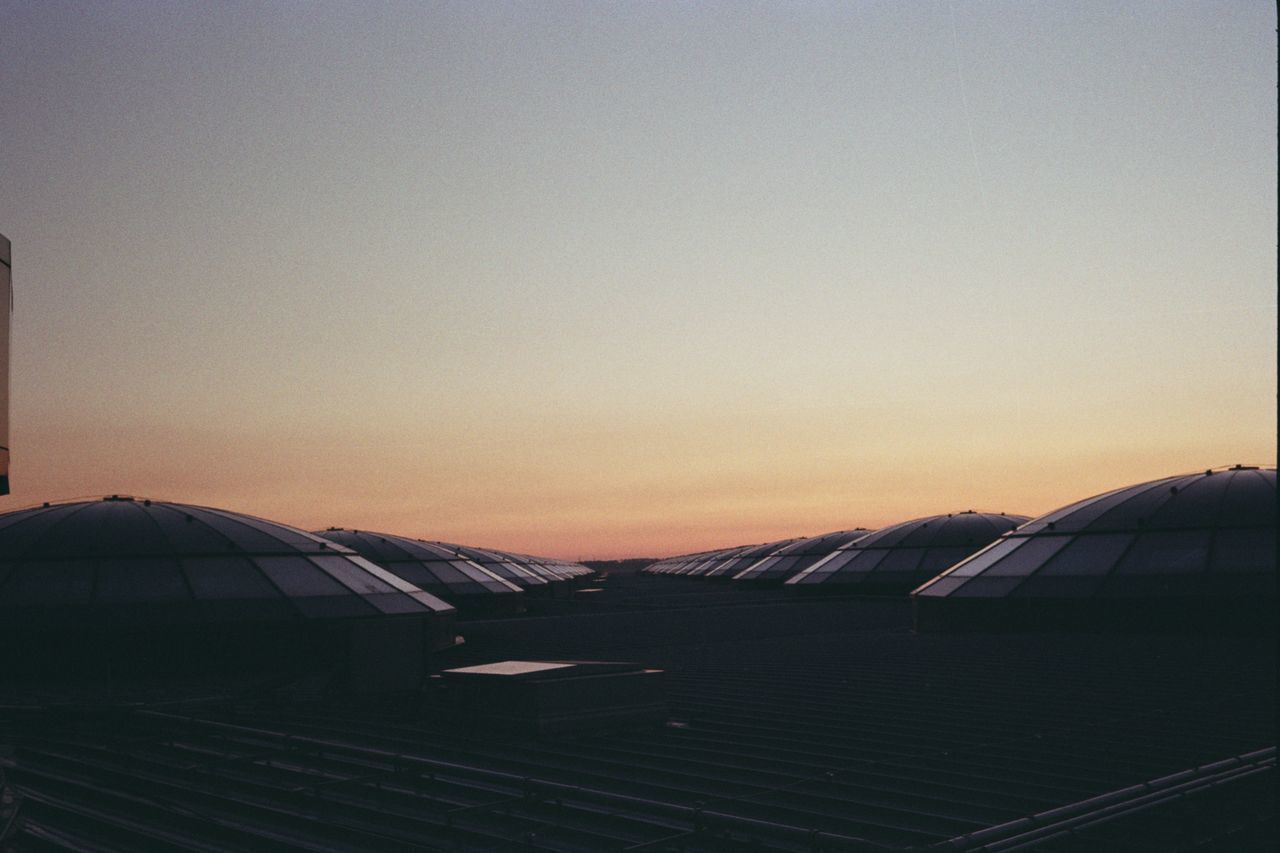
x=613 y=279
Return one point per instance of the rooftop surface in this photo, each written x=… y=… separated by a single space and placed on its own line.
x=795 y=724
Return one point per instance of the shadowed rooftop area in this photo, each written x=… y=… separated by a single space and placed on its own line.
x=795 y=724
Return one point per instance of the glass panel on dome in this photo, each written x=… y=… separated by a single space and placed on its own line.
x=790 y=565
x=1167 y=552
x=274 y=531
x=803 y=563
x=832 y=563
x=942 y=586
x=74 y=536
x=370 y=548
x=415 y=573
x=213 y=578
x=979 y=562
x=1138 y=507
x=1071 y=510
x=884 y=536
x=921 y=534
x=186 y=534
x=409 y=549
x=1113 y=506
x=448 y=574
x=49 y=582
x=352 y=575
x=938 y=560
x=391 y=603
x=862 y=562
x=147 y=579
x=246 y=537
x=825 y=544
x=298 y=576
x=1195 y=504
x=899 y=561
x=431 y=602
x=440 y=551
x=19 y=529
x=1088 y=554
x=505 y=571
x=807 y=576
x=1029 y=558
x=1244 y=551
x=387 y=550
x=1250 y=499
x=124 y=528
x=479 y=573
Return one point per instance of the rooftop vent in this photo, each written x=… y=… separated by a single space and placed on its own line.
x=546 y=697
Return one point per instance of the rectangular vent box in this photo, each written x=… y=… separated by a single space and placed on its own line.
x=550 y=697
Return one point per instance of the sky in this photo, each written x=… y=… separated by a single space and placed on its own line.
x=599 y=280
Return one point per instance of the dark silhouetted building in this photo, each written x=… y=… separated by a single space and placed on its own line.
x=6 y=296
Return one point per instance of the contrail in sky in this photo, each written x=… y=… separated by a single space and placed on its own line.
x=964 y=100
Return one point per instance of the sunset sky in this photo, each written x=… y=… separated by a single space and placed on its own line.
x=597 y=280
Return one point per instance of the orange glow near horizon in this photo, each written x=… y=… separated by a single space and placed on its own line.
x=633 y=490
x=630 y=280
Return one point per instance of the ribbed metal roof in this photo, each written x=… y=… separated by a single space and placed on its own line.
x=157 y=561
x=898 y=558
x=426 y=565
x=797 y=725
x=1201 y=535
